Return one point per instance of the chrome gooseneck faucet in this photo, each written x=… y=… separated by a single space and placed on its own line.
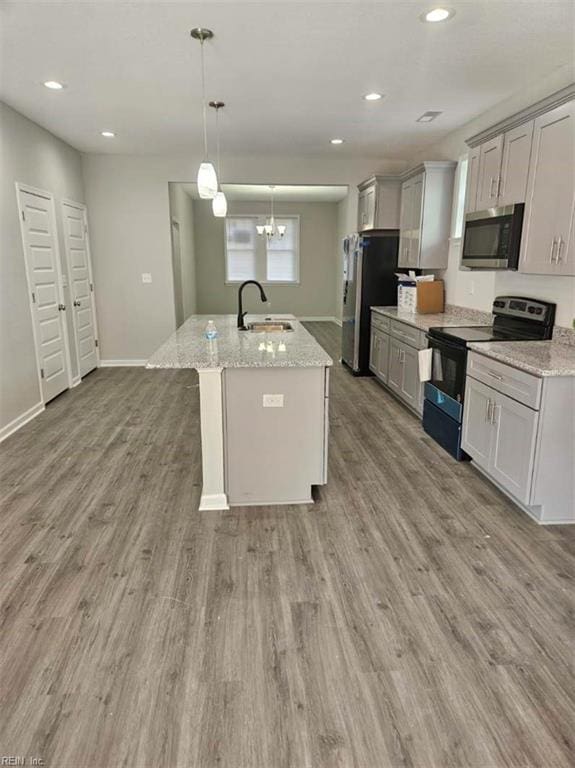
x=241 y=313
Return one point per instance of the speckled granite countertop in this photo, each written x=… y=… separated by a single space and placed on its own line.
x=542 y=358
x=425 y=322
x=188 y=347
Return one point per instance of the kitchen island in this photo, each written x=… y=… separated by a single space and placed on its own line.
x=263 y=408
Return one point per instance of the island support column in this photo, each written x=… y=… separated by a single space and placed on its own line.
x=212 y=424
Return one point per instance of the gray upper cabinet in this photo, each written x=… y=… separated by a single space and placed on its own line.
x=472 y=180
x=497 y=170
x=529 y=158
x=489 y=170
x=515 y=165
x=548 y=240
x=378 y=203
x=426 y=200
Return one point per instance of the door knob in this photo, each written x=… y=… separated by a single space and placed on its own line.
x=77 y=303
x=61 y=307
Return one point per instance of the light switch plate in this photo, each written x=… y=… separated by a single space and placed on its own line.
x=273 y=401
x=146 y=277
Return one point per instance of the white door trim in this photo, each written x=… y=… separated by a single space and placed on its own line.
x=81 y=207
x=20 y=189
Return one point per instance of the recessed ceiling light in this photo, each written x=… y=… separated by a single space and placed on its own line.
x=336 y=141
x=437 y=14
x=372 y=96
x=427 y=117
x=108 y=134
x=54 y=85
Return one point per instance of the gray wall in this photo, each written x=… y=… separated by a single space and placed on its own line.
x=30 y=155
x=182 y=211
x=128 y=203
x=312 y=297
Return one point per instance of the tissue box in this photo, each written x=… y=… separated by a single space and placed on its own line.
x=430 y=297
x=406 y=296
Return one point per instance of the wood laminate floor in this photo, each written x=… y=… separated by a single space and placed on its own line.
x=411 y=617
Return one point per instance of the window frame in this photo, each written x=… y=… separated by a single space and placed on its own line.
x=261 y=253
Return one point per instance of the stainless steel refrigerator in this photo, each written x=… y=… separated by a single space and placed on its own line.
x=369 y=267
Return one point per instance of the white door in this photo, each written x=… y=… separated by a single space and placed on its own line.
x=81 y=285
x=547 y=244
x=374 y=350
x=513 y=446
x=42 y=257
x=477 y=421
x=515 y=164
x=410 y=376
x=383 y=356
x=489 y=172
x=395 y=366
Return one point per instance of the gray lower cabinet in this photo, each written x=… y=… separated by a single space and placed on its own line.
x=379 y=354
x=500 y=434
x=395 y=362
x=516 y=431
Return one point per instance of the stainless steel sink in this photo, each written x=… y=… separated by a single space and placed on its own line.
x=269 y=326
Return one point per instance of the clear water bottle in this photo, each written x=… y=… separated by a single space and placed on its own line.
x=211 y=331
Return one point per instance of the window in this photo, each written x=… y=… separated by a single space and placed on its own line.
x=240 y=249
x=250 y=256
x=282 y=262
x=458 y=209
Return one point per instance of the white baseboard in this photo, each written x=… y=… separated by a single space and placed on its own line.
x=122 y=363
x=76 y=380
x=213 y=502
x=19 y=421
x=321 y=319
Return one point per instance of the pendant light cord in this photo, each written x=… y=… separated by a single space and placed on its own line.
x=218 y=143
x=204 y=101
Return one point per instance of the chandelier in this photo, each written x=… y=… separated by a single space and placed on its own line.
x=270 y=229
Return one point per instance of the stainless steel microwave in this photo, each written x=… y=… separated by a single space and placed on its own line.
x=492 y=238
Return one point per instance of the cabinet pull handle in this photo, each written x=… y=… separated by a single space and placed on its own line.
x=559 y=247
x=500 y=186
x=493 y=419
x=488 y=412
x=552 y=254
x=491 y=180
x=495 y=376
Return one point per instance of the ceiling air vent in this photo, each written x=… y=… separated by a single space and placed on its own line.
x=427 y=117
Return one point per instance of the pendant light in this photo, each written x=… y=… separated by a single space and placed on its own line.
x=219 y=203
x=207 y=178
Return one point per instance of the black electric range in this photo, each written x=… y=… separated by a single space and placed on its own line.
x=515 y=318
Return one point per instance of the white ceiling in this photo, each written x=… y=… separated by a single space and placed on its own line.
x=284 y=193
x=292 y=74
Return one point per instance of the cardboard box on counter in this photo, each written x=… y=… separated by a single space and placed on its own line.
x=430 y=297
